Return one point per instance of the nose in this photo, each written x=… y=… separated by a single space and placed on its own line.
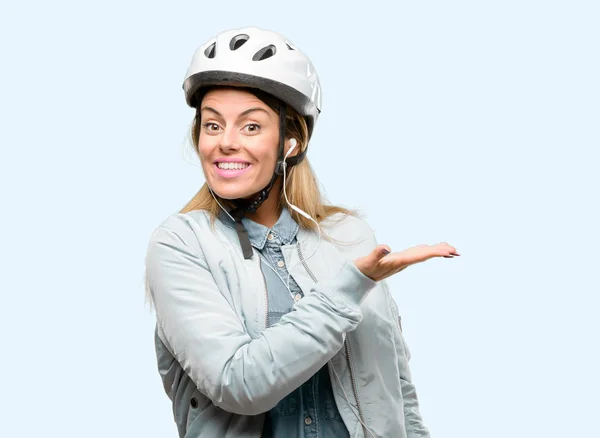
x=229 y=141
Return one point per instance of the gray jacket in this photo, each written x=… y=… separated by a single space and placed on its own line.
x=223 y=369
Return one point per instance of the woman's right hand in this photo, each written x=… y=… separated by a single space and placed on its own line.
x=381 y=263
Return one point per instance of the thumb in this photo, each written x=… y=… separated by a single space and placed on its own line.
x=380 y=252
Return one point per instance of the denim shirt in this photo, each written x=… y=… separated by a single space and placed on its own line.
x=310 y=410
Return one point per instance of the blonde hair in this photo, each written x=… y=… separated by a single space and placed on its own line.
x=301 y=184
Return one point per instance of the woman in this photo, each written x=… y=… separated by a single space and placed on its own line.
x=272 y=316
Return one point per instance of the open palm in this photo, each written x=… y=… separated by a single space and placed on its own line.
x=381 y=263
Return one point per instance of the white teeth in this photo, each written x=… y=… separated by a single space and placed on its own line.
x=232 y=166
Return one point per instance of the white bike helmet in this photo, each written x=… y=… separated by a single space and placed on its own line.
x=261 y=59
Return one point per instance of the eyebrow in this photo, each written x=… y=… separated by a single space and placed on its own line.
x=248 y=111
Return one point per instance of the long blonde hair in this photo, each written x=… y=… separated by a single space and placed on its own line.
x=301 y=184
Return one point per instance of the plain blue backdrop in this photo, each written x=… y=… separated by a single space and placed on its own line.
x=475 y=123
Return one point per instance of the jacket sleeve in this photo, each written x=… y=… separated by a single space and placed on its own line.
x=412 y=417
x=237 y=373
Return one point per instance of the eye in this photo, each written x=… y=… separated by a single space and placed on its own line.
x=211 y=127
x=252 y=128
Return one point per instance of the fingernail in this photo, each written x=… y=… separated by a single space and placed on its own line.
x=385 y=251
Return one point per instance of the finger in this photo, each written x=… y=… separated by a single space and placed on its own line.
x=442 y=252
x=379 y=252
x=445 y=248
x=385 y=250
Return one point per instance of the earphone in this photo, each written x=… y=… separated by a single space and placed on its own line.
x=293 y=144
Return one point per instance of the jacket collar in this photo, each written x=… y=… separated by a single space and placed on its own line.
x=284 y=231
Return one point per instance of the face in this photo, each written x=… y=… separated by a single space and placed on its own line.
x=238 y=142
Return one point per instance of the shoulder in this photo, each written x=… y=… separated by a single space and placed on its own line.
x=346 y=225
x=349 y=233
x=181 y=230
x=186 y=221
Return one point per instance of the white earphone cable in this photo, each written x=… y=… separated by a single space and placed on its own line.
x=293 y=144
x=217 y=201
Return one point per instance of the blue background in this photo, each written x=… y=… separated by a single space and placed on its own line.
x=470 y=122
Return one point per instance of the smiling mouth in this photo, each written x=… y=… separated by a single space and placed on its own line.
x=232 y=166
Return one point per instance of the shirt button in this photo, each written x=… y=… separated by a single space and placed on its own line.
x=280 y=263
x=308 y=421
x=297 y=297
x=270 y=236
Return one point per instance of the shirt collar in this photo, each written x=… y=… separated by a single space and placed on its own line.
x=284 y=231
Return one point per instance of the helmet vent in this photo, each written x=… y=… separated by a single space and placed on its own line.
x=289 y=47
x=264 y=53
x=238 y=41
x=210 y=50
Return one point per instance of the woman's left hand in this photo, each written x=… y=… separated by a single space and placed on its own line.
x=381 y=263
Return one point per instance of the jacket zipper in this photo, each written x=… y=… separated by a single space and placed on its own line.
x=351 y=368
x=264 y=416
x=304 y=264
x=347 y=348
